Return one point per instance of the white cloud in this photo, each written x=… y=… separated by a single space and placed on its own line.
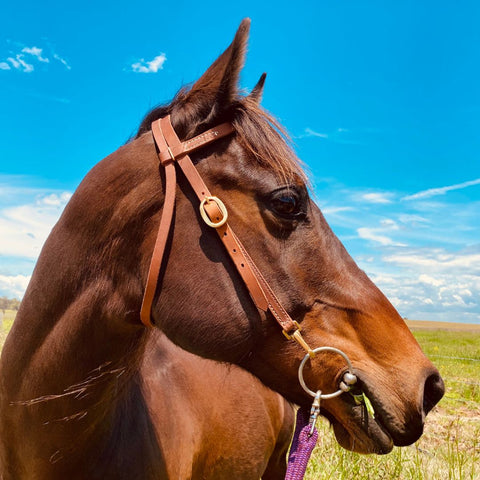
x=427 y=279
x=437 y=262
x=377 y=197
x=389 y=223
x=312 y=133
x=25 y=227
x=371 y=234
x=36 y=52
x=55 y=199
x=20 y=64
x=62 y=61
x=332 y=210
x=412 y=219
x=345 y=136
x=378 y=234
x=13 y=286
x=432 y=192
x=152 y=66
x=14 y=62
x=25 y=60
x=433 y=284
x=415 y=251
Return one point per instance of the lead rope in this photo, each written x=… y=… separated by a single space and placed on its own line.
x=304 y=441
x=306 y=435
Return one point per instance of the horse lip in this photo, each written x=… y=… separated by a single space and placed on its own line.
x=381 y=415
x=368 y=436
x=375 y=429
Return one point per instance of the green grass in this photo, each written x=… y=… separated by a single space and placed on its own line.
x=450 y=446
x=6 y=322
x=457 y=356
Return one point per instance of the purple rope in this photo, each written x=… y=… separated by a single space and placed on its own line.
x=302 y=446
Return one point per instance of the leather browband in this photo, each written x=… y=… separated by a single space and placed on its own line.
x=172 y=151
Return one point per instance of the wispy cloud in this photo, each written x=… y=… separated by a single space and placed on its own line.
x=377 y=197
x=36 y=52
x=415 y=251
x=312 y=133
x=28 y=57
x=19 y=63
x=152 y=66
x=333 y=210
x=432 y=192
x=370 y=234
x=439 y=261
x=378 y=235
x=62 y=61
x=14 y=286
x=426 y=283
x=25 y=226
x=345 y=136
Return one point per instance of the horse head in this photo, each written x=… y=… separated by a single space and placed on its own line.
x=202 y=304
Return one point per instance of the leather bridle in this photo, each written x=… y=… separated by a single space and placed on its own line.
x=172 y=151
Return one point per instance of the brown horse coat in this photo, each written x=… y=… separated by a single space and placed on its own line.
x=83 y=385
x=180 y=417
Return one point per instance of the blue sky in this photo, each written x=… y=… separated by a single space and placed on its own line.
x=381 y=98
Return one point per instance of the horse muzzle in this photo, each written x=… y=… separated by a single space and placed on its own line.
x=394 y=419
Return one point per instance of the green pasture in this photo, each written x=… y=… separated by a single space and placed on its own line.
x=450 y=446
x=6 y=319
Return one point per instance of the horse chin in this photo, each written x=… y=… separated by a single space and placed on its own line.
x=360 y=433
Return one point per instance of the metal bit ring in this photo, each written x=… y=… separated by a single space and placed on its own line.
x=323 y=396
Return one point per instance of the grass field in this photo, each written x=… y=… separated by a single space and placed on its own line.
x=450 y=446
x=6 y=320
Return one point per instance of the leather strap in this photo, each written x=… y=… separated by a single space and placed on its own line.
x=171 y=151
x=195 y=143
x=163 y=230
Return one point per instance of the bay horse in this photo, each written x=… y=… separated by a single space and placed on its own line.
x=85 y=387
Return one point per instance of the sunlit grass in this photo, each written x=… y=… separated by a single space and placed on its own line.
x=450 y=446
x=6 y=320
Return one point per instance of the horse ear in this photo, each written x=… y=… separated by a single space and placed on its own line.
x=257 y=92
x=217 y=88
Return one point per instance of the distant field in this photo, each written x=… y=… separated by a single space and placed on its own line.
x=455 y=327
x=450 y=446
x=6 y=320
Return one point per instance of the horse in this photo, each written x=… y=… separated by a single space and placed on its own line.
x=84 y=390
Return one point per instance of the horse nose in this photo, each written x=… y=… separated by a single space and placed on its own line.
x=433 y=392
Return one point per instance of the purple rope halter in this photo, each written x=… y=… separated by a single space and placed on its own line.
x=302 y=445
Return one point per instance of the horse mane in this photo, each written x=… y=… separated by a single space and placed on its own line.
x=260 y=134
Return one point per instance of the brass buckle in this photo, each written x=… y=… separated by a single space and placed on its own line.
x=221 y=206
x=297 y=336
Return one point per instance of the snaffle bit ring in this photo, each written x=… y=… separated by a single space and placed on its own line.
x=325 y=396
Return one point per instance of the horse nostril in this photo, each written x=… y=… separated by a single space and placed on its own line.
x=434 y=390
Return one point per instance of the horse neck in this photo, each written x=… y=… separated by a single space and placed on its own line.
x=77 y=339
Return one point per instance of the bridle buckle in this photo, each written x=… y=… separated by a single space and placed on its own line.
x=221 y=206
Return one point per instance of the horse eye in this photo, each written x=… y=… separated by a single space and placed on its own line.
x=286 y=203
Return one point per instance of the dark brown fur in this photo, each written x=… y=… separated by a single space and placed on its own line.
x=87 y=392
